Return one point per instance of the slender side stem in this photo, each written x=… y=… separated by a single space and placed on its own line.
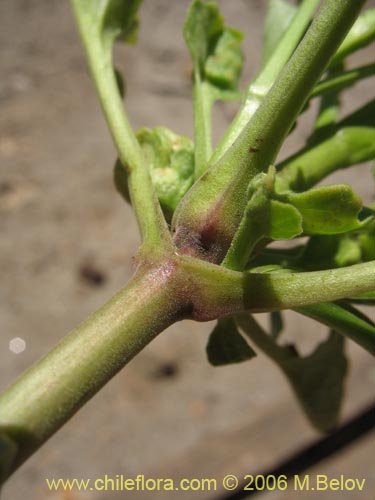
x=214 y=206
x=49 y=393
x=291 y=89
x=220 y=292
x=342 y=80
x=258 y=89
x=329 y=112
x=202 y=124
x=316 y=379
x=251 y=231
x=290 y=290
x=261 y=339
x=154 y=229
x=361 y=34
x=330 y=314
x=331 y=147
x=346 y=147
x=343 y=321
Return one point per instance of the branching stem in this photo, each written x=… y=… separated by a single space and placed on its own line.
x=153 y=228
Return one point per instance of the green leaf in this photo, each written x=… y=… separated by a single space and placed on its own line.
x=120 y=178
x=329 y=210
x=170 y=158
x=277 y=324
x=345 y=320
x=214 y=206
x=327 y=252
x=120 y=83
x=340 y=81
x=110 y=20
x=117 y=18
x=367 y=242
x=202 y=29
x=226 y=345
x=348 y=252
x=264 y=217
x=8 y=451
x=268 y=217
x=318 y=380
x=217 y=62
x=224 y=65
x=282 y=222
x=347 y=143
x=361 y=34
x=279 y=16
x=215 y=49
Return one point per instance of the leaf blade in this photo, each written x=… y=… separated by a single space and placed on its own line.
x=316 y=379
x=226 y=345
x=329 y=210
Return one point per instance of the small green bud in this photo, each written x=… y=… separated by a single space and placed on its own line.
x=170 y=158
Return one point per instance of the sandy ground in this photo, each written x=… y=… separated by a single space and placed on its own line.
x=66 y=242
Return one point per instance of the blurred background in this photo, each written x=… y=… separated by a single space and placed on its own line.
x=66 y=243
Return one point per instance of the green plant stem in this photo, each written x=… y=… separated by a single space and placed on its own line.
x=345 y=147
x=258 y=89
x=288 y=290
x=49 y=393
x=291 y=89
x=316 y=379
x=361 y=35
x=214 y=206
x=218 y=292
x=342 y=80
x=260 y=338
x=367 y=298
x=249 y=233
x=331 y=147
x=202 y=124
x=344 y=322
x=329 y=111
x=153 y=228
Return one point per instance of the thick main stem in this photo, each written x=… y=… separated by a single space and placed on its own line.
x=169 y=289
x=48 y=394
